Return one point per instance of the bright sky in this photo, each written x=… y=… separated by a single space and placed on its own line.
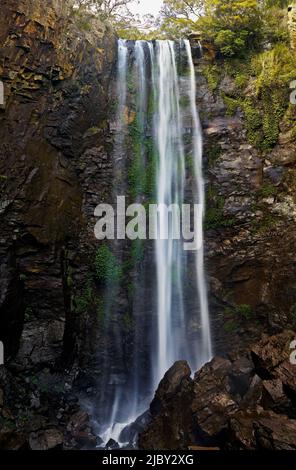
x=147 y=6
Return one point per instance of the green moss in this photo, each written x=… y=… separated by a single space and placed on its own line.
x=91 y=132
x=231 y=104
x=212 y=74
x=241 y=80
x=253 y=122
x=214 y=217
x=235 y=314
x=151 y=168
x=267 y=189
x=69 y=276
x=107 y=267
x=230 y=326
x=82 y=302
x=244 y=310
x=137 y=250
x=213 y=152
x=151 y=104
x=264 y=225
x=184 y=101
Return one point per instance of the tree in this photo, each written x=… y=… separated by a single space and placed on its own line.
x=178 y=17
x=187 y=9
x=235 y=26
x=111 y=9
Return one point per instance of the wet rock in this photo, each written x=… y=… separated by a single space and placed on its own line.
x=41 y=342
x=231 y=403
x=272 y=358
x=275 y=174
x=170 y=384
x=171 y=424
x=275 y=398
x=79 y=430
x=112 y=445
x=10 y=439
x=275 y=432
x=129 y=433
x=213 y=403
x=46 y=440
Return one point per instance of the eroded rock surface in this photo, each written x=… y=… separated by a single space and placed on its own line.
x=242 y=403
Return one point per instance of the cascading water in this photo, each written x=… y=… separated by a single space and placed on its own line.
x=166 y=136
x=206 y=346
x=170 y=188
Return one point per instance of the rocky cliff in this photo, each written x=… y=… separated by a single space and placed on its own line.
x=250 y=155
x=233 y=403
x=56 y=67
x=54 y=134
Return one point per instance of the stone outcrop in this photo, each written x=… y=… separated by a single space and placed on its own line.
x=245 y=402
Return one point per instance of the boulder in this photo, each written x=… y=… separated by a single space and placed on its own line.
x=46 y=439
x=169 y=385
x=80 y=432
x=213 y=403
x=172 y=421
x=245 y=402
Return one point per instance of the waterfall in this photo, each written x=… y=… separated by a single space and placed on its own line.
x=170 y=187
x=158 y=128
x=206 y=348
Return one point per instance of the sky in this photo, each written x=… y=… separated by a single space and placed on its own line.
x=147 y=6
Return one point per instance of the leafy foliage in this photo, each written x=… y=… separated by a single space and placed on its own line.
x=107 y=267
x=234 y=26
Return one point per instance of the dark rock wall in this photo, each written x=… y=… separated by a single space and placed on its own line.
x=250 y=221
x=55 y=162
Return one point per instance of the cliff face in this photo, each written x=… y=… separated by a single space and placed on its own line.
x=56 y=80
x=54 y=132
x=251 y=207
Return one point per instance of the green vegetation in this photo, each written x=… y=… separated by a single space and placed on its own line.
x=234 y=314
x=107 y=267
x=230 y=326
x=214 y=217
x=29 y=314
x=267 y=190
x=211 y=72
x=264 y=225
x=82 y=302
